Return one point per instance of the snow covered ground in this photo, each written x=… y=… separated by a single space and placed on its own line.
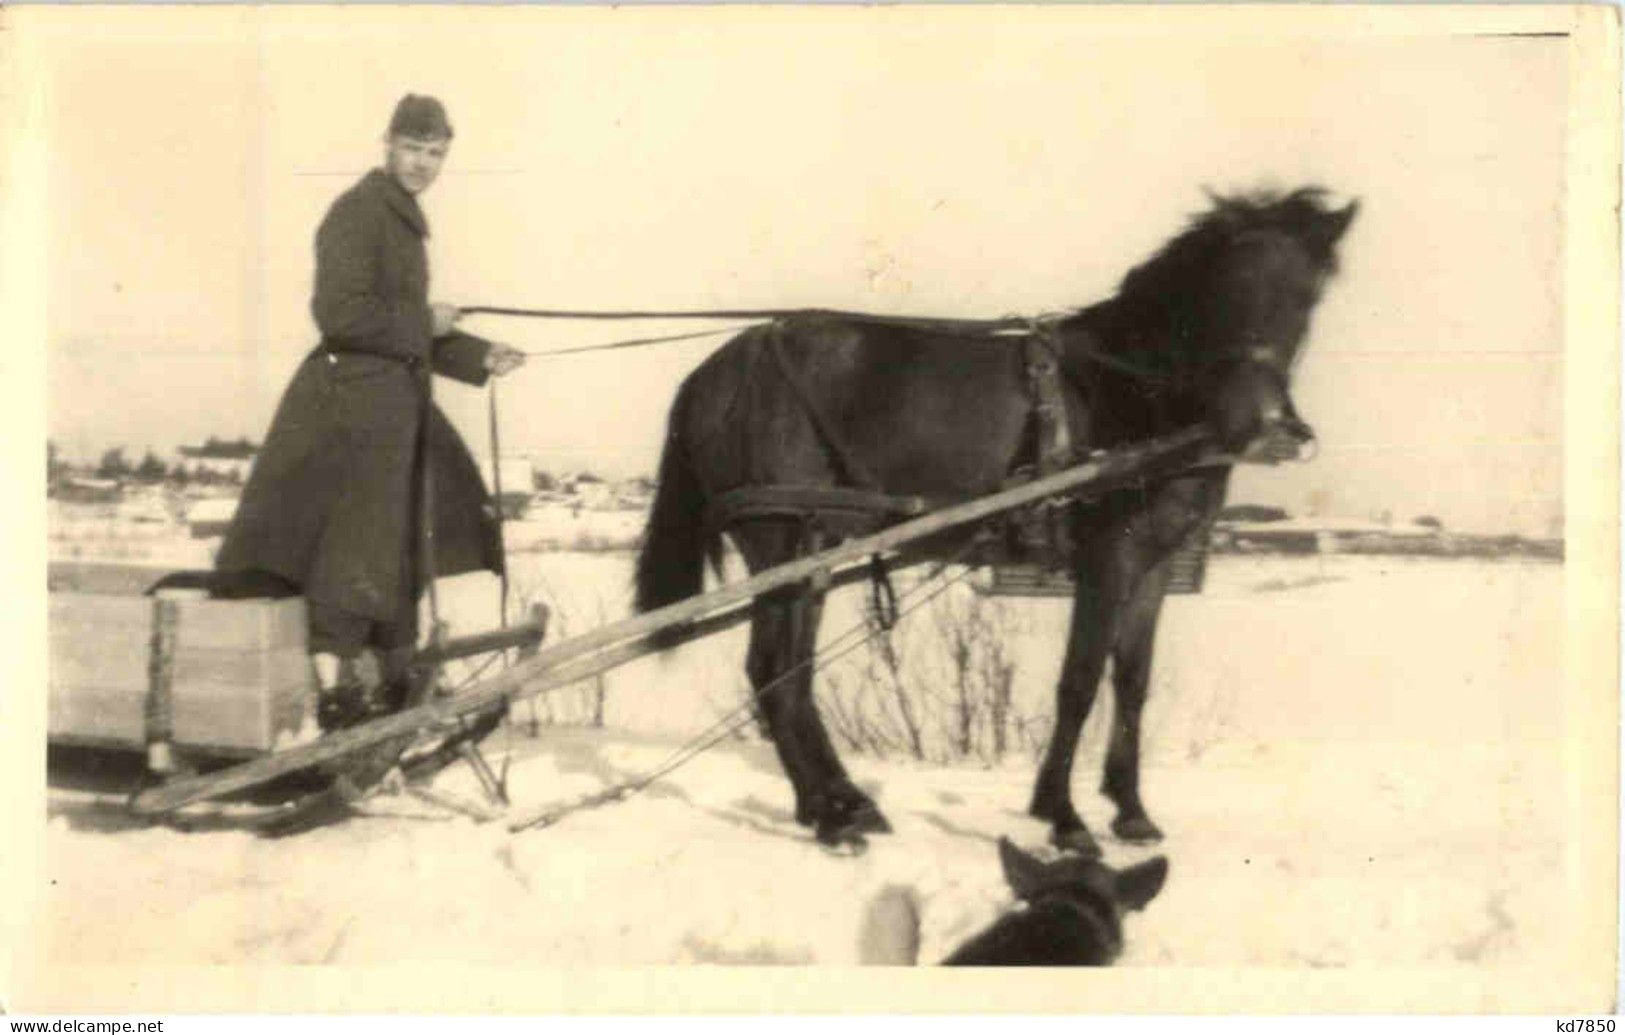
x=1358 y=762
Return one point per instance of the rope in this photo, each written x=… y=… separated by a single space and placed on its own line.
x=741 y=716
x=1005 y=323
x=1041 y=325
x=426 y=507
x=962 y=327
x=628 y=314
x=496 y=487
x=635 y=342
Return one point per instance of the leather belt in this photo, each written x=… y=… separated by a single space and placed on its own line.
x=333 y=349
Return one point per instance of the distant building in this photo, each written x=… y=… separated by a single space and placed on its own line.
x=207 y=518
x=228 y=460
x=595 y=495
x=517 y=478
x=74 y=489
x=1327 y=534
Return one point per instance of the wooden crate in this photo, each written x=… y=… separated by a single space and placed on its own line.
x=239 y=676
x=1188 y=573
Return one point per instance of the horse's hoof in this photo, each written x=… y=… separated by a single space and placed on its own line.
x=862 y=817
x=848 y=817
x=1077 y=842
x=847 y=845
x=847 y=838
x=871 y=820
x=842 y=835
x=1136 y=830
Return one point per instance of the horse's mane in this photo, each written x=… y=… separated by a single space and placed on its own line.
x=1175 y=272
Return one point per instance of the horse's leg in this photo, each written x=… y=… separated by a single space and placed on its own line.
x=1131 y=678
x=773 y=638
x=1145 y=556
x=838 y=808
x=783 y=641
x=1095 y=608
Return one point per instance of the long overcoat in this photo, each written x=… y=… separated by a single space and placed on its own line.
x=332 y=501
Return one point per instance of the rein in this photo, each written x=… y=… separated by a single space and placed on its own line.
x=943 y=324
x=1045 y=326
x=629 y=343
x=1041 y=338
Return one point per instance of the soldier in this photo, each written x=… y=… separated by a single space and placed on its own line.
x=334 y=508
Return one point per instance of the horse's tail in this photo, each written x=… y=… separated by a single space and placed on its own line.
x=676 y=542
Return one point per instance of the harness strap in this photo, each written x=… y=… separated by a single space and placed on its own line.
x=775 y=501
x=1054 y=436
x=882 y=596
x=849 y=465
x=1055 y=448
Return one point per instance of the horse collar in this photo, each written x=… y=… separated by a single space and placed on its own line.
x=1054 y=435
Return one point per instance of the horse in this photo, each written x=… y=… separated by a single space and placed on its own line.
x=1205 y=332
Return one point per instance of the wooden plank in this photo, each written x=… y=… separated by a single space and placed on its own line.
x=525 y=634
x=238 y=674
x=572 y=660
x=100 y=715
x=240 y=700
x=1186 y=576
x=1188 y=569
x=1029 y=580
x=101 y=578
x=259 y=624
x=97 y=669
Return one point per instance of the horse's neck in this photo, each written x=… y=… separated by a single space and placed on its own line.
x=1130 y=335
x=1122 y=364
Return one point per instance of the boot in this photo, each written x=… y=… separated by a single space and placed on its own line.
x=397 y=679
x=343 y=699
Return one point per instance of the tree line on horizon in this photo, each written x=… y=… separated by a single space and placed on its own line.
x=115 y=465
x=191 y=468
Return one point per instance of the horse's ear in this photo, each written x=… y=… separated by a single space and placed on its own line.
x=1333 y=225
x=1139 y=884
x=1024 y=872
x=1226 y=210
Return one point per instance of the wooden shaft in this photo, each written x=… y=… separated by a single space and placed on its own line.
x=159 y=707
x=479 y=643
x=173 y=795
x=574 y=659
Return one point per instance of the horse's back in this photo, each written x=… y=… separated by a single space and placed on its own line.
x=914 y=411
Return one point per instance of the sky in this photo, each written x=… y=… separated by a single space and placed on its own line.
x=950 y=161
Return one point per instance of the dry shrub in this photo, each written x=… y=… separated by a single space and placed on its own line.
x=938 y=688
x=577 y=704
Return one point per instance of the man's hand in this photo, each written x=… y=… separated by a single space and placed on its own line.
x=444 y=318
x=502 y=359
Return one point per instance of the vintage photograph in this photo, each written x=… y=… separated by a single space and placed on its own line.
x=545 y=489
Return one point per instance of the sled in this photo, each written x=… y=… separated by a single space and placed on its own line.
x=194 y=683
x=375 y=745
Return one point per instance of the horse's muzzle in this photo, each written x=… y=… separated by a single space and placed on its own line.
x=1285 y=440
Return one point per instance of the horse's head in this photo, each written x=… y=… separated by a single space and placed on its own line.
x=1237 y=290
